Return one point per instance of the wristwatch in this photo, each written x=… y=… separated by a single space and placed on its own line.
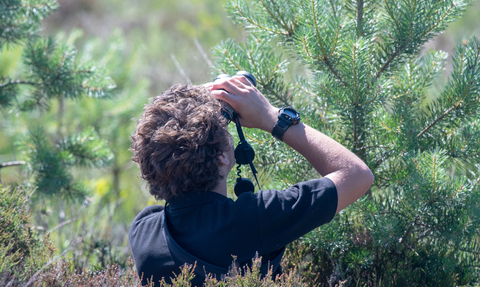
x=287 y=117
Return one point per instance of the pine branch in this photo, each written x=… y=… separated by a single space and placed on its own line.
x=325 y=56
x=411 y=39
x=389 y=61
x=357 y=114
x=355 y=79
x=434 y=177
x=305 y=90
x=374 y=97
x=335 y=73
x=391 y=14
x=430 y=71
x=255 y=23
x=459 y=81
x=21 y=19
x=269 y=81
x=12 y=163
x=435 y=25
x=360 y=4
x=331 y=94
x=384 y=157
x=231 y=59
x=305 y=46
x=335 y=42
x=456 y=106
x=280 y=22
x=56 y=73
x=18 y=82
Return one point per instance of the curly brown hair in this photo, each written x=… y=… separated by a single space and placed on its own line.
x=178 y=140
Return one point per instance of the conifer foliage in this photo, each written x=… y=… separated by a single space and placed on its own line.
x=361 y=78
x=51 y=72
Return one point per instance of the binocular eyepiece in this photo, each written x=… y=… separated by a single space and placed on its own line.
x=227 y=111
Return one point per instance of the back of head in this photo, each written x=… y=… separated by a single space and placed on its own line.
x=178 y=140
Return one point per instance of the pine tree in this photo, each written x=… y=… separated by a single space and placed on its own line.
x=64 y=118
x=51 y=74
x=360 y=77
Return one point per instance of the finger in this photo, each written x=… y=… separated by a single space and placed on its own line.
x=233 y=86
x=243 y=79
x=244 y=83
x=222 y=95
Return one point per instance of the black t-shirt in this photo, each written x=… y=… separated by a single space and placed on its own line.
x=214 y=228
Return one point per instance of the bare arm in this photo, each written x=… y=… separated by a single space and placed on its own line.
x=351 y=176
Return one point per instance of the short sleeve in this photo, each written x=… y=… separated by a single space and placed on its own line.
x=286 y=215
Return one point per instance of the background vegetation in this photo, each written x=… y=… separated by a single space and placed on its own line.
x=137 y=50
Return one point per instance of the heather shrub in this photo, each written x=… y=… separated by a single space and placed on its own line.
x=250 y=276
x=63 y=273
x=22 y=251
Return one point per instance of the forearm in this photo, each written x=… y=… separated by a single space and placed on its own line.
x=324 y=154
x=349 y=173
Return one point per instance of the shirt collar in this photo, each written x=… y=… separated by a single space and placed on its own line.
x=193 y=198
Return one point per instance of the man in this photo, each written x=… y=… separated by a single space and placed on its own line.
x=185 y=153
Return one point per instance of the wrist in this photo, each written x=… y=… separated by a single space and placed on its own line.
x=269 y=120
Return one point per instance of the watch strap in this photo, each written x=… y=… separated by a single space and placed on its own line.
x=279 y=129
x=285 y=120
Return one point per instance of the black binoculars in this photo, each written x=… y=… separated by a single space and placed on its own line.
x=227 y=111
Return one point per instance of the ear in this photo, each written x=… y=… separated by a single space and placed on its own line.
x=224 y=160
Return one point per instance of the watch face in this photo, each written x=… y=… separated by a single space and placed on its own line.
x=287 y=116
x=290 y=113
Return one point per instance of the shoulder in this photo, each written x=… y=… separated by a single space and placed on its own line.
x=148 y=213
x=315 y=189
x=303 y=197
x=149 y=219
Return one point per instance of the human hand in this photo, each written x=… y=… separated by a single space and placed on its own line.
x=252 y=107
